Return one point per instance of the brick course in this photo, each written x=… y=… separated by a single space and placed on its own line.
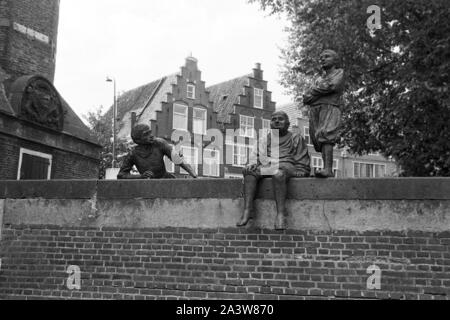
x=181 y=263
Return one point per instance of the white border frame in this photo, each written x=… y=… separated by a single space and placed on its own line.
x=36 y=154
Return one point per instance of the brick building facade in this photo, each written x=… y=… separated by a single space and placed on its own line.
x=242 y=104
x=28 y=37
x=178 y=108
x=181 y=110
x=239 y=110
x=41 y=137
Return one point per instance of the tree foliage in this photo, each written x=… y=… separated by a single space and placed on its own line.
x=397 y=94
x=101 y=125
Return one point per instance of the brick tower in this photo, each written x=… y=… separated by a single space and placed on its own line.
x=28 y=34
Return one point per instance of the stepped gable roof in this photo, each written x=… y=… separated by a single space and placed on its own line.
x=225 y=95
x=159 y=96
x=147 y=97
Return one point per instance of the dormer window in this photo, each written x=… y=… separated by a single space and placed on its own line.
x=258 y=98
x=190 y=91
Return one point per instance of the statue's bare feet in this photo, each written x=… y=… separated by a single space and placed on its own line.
x=280 y=222
x=324 y=174
x=246 y=217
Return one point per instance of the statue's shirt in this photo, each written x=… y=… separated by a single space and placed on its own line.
x=148 y=158
x=327 y=90
x=290 y=149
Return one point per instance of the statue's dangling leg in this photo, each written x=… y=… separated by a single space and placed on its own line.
x=327 y=156
x=279 y=181
x=250 y=188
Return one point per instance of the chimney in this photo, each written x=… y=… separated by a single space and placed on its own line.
x=191 y=60
x=257 y=72
x=133 y=119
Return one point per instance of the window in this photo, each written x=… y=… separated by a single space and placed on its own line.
x=335 y=166
x=190 y=156
x=266 y=126
x=180 y=117
x=190 y=91
x=247 y=126
x=259 y=98
x=34 y=165
x=199 y=121
x=368 y=170
x=317 y=164
x=307 y=136
x=305 y=113
x=211 y=163
x=170 y=166
x=241 y=154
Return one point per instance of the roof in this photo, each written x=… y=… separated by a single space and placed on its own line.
x=291 y=110
x=225 y=95
x=4 y=103
x=74 y=126
x=146 y=98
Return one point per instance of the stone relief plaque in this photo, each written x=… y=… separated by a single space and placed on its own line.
x=35 y=99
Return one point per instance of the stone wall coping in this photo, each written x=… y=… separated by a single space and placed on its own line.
x=299 y=189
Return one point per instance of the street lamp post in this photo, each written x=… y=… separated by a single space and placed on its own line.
x=113 y=80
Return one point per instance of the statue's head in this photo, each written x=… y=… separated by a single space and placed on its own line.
x=328 y=59
x=280 y=121
x=142 y=134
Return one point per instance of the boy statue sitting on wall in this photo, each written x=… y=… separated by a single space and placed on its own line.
x=148 y=157
x=289 y=158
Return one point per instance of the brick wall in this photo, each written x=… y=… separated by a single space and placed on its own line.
x=9 y=159
x=142 y=240
x=65 y=165
x=178 y=263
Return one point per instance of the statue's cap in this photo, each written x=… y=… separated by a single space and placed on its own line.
x=332 y=52
x=138 y=131
x=284 y=114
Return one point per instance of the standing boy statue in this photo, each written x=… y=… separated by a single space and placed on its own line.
x=148 y=157
x=324 y=99
x=292 y=160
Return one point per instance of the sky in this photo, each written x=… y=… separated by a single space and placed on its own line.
x=139 y=41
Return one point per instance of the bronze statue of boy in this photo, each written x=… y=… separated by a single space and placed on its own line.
x=148 y=157
x=292 y=160
x=325 y=102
